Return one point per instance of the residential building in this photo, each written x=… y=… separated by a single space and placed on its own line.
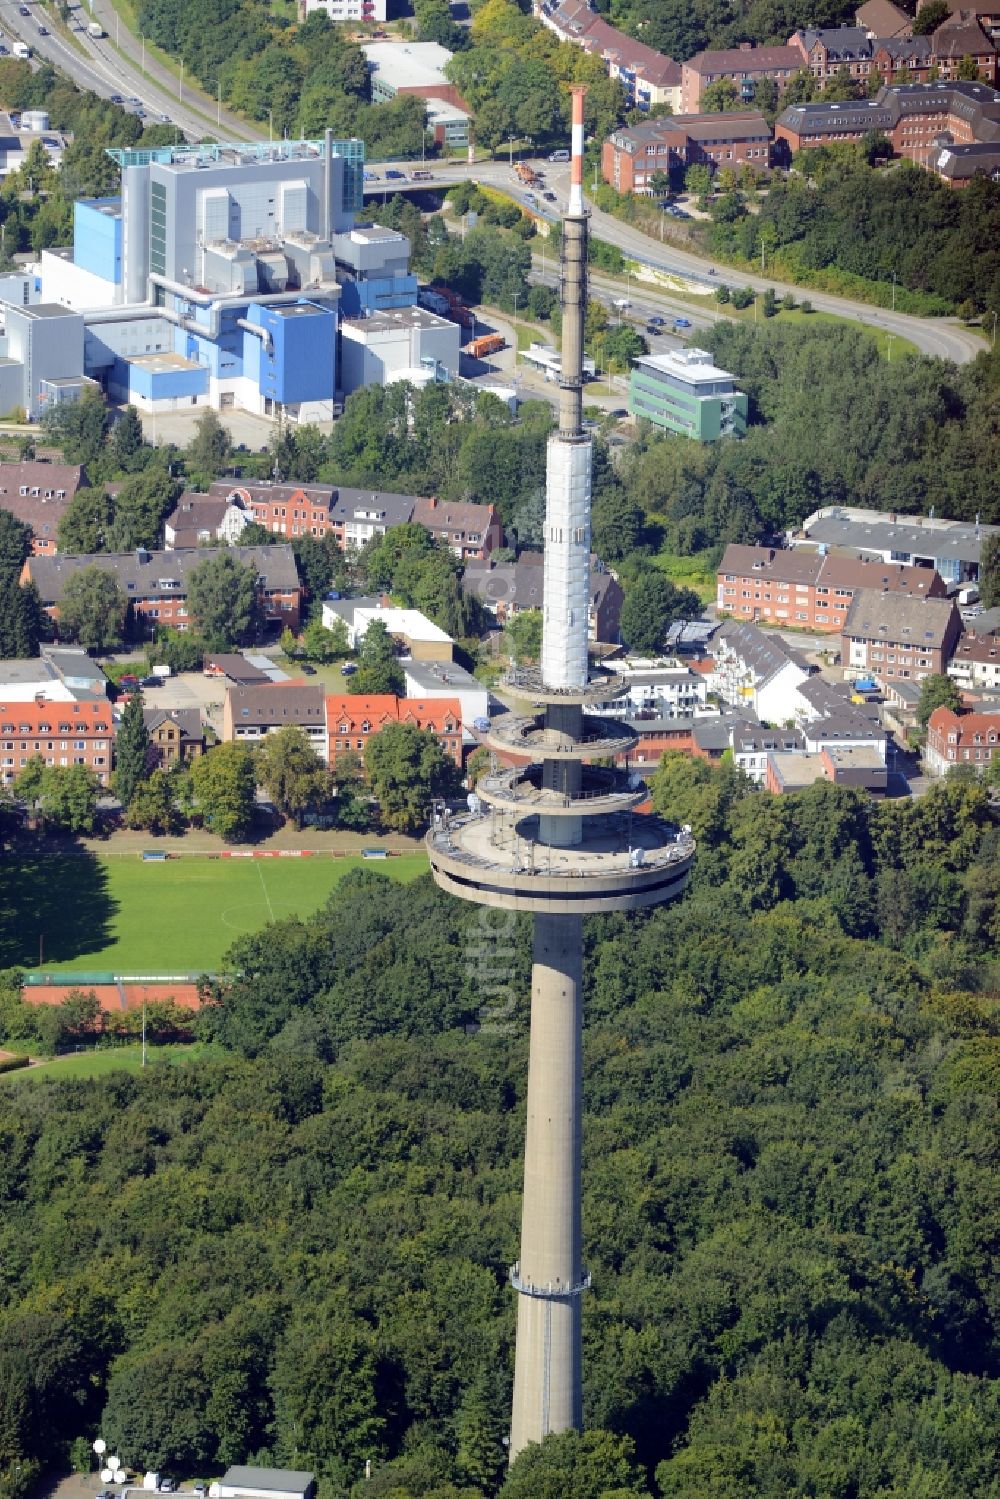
x=155 y=584
x=753 y=744
x=441 y=717
x=757 y=671
x=745 y=65
x=352 y=719
x=64 y=734
x=656 y=691
x=199 y=519
x=658 y=737
x=283 y=509
x=647 y=76
x=810 y=590
x=468 y=530
x=846 y=731
x=713 y=737
x=357 y=516
x=975 y=665
x=684 y=392
x=950 y=547
x=890 y=635
x=39 y=494
x=834 y=51
x=412 y=631
x=961 y=739
x=960 y=37
x=633 y=153
x=251 y=713
x=948 y=127
x=63 y=674
x=860 y=768
x=176 y=735
x=881 y=18
x=986 y=12
x=508 y=588
x=430 y=680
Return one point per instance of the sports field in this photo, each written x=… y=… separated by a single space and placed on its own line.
x=181 y=916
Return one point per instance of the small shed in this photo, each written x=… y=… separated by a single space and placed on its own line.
x=266 y=1483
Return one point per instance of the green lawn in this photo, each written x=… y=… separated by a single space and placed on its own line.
x=688 y=572
x=95 y=913
x=90 y=1064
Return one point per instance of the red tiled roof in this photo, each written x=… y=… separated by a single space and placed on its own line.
x=58 y=718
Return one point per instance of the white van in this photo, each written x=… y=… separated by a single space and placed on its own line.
x=95 y=29
x=558 y=156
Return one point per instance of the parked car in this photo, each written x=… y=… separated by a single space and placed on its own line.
x=151 y=681
x=117 y=99
x=348 y=669
x=167 y=1486
x=549 y=197
x=306 y=669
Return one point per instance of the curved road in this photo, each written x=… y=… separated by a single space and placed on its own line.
x=942 y=338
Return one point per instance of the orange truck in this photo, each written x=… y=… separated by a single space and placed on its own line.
x=489 y=343
x=524 y=173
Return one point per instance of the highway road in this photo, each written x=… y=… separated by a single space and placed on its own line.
x=106 y=72
x=943 y=338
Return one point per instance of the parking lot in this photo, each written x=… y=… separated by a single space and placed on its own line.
x=192 y=690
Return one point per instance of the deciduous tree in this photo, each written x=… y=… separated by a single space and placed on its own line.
x=92 y=609
x=224 y=786
x=407 y=769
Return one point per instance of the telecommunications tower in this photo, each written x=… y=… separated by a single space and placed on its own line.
x=553 y=835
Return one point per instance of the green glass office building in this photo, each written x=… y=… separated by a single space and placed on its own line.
x=684 y=392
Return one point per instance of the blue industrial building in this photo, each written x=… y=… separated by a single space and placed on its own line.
x=221 y=273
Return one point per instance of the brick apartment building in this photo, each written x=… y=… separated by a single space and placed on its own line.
x=469 y=530
x=282 y=509
x=39 y=494
x=79 y=733
x=252 y=712
x=898 y=636
x=807 y=589
x=351 y=720
x=950 y=128
x=961 y=739
x=647 y=76
x=155 y=584
x=631 y=155
x=176 y=735
x=744 y=65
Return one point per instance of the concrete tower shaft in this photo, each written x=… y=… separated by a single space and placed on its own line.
x=557 y=838
x=569 y=459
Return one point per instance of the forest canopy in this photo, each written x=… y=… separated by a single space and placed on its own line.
x=297 y=1252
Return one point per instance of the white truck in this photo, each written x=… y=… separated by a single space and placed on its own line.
x=22 y=50
x=96 y=30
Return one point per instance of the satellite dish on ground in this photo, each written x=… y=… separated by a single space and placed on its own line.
x=114 y=1463
x=106 y=1475
x=100 y=1446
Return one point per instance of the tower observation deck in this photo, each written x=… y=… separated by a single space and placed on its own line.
x=553 y=834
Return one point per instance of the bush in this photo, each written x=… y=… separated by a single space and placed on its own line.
x=805 y=306
x=722 y=293
x=742 y=296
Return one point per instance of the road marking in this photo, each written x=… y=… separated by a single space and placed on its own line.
x=266 y=896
